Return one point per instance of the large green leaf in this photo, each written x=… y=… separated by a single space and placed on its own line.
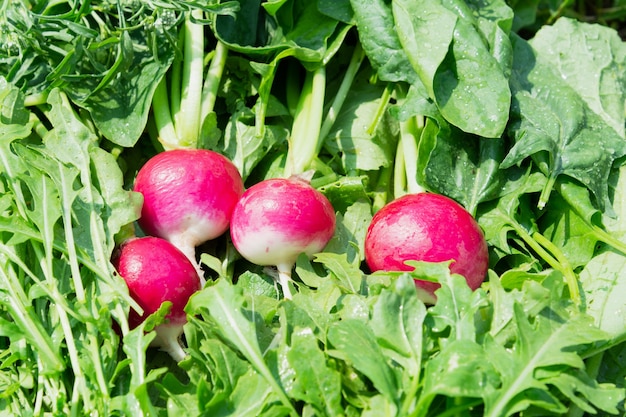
x=447 y=47
x=591 y=60
x=380 y=41
x=555 y=126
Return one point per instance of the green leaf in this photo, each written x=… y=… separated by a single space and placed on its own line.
x=567 y=230
x=316 y=383
x=350 y=231
x=461 y=369
x=294 y=24
x=505 y=215
x=456 y=306
x=121 y=108
x=576 y=50
x=544 y=342
x=225 y=304
x=397 y=320
x=380 y=41
x=461 y=166
x=359 y=143
x=345 y=336
x=242 y=145
x=446 y=47
x=347 y=274
x=425 y=30
x=603 y=280
x=552 y=123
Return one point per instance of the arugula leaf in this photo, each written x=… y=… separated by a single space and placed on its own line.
x=603 y=280
x=344 y=335
x=317 y=384
x=220 y=300
x=544 y=343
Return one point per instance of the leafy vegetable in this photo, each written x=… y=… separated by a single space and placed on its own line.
x=513 y=109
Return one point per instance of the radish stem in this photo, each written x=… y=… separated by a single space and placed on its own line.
x=304 y=141
x=284 y=277
x=188 y=117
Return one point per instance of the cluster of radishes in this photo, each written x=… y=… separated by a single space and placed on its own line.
x=191 y=196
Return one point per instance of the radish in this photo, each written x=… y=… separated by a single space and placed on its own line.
x=278 y=219
x=427 y=227
x=189 y=196
x=155 y=271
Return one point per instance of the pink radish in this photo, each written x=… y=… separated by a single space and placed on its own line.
x=427 y=227
x=278 y=219
x=189 y=196
x=155 y=272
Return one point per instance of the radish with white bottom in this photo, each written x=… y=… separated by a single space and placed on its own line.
x=278 y=219
x=189 y=196
x=155 y=271
x=427 y=227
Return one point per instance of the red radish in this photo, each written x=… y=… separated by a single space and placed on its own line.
x=156 y=271
x=427 y=227
x=278 y=219
x=189 y=196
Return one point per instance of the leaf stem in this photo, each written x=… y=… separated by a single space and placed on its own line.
x=545 y=193
x=187 y=119
x=409 y=136
x=553 y=256
x=563 y=264
x=213 y=79
x=163 y=118
x=350 y=73
x=305 y=141
x=24 y=317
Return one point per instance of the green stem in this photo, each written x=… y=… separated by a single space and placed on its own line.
x=163 y=118
x=399 y=173
x=382 y=190
x=66 y=215
x=545 y=193
x=564 y=266
x=265 y=87
x=187 y=119
x=409 y=135
x=603 y=236
x=176 y=76
x=353 y=67
x=557 y=261
x=213 y=79
x=304 y=142
x=380 y=111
